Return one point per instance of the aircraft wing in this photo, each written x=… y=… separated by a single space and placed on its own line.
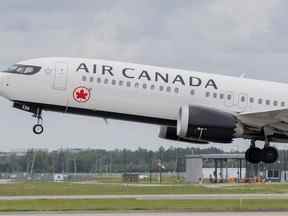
x=276 y=120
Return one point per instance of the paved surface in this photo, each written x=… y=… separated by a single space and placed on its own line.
x=156 y=197
x=158 y=214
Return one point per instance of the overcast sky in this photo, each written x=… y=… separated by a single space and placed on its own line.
x=217 y=36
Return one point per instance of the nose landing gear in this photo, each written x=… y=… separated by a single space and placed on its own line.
x=37 y=113
x=38 y=128
x=267 y=155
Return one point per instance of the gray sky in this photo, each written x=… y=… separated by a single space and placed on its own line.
x=217 y=36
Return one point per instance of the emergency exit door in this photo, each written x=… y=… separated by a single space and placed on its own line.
x=60 y=76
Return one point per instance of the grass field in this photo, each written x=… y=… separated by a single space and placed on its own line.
x=154 y=179
x=143 y=205
x=46 y=188
x=69 y=188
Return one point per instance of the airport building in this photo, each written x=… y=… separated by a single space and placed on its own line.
x=233 y=168
x=221 y=172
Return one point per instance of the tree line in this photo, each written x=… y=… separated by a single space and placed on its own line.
x=100 y=160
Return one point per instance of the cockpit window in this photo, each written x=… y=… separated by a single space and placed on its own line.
x=23 y=69
x=20 y=69
x=28 y=70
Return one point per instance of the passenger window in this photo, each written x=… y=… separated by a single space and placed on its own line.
x=144 y=86
x=275 y=103
x=152 y=87
x=192 y=92
x=283 y=104
x=243 y=98
x=221 y=96
x=128 y=84
x=91 y=79
x=84 y=78
x=260 y=101
x=106 y=81
x=251 y=100
x=136 y=85
x=267 y=102
x=168 y=89
x=229 y=96
x=176 y=90
x=207 y=94
x=98 y=80
x=161 y=88
x=121 y=83
x=113 y=82
x=215 y=95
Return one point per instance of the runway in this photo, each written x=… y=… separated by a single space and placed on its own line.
x=153 y=197
x=156 y=214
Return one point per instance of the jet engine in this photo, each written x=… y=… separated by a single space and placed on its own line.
x=170 y=133
x=207 y=124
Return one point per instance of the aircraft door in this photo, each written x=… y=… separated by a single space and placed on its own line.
x=60 y=76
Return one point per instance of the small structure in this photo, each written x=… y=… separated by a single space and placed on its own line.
x=130 y=178
x=194 y=167
x=58 y=177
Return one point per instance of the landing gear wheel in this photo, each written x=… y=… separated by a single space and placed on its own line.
x=269 y=155
x=253 y=155
x=38 y=129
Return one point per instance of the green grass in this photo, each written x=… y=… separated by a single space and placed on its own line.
x=144 y=205
x=66 y=188
x=154 y=179
x=39 y=188
x=46 y=188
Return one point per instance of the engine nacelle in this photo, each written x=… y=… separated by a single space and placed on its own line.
x=170 y=133
x=207 y=124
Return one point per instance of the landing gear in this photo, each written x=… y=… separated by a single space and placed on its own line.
x=255 y=155
x=269 y=154
x=37 y=113
x=38 y=128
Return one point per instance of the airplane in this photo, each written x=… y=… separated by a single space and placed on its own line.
x=188 y=106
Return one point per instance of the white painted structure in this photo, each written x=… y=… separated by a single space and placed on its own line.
x=58 y=177
x=194 y=169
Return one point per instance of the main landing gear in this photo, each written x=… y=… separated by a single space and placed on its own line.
x=255 y=155
x=38 y=128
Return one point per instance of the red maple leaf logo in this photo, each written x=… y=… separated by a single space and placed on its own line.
x=81 y=94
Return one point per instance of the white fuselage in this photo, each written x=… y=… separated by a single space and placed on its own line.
x=138 y=90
